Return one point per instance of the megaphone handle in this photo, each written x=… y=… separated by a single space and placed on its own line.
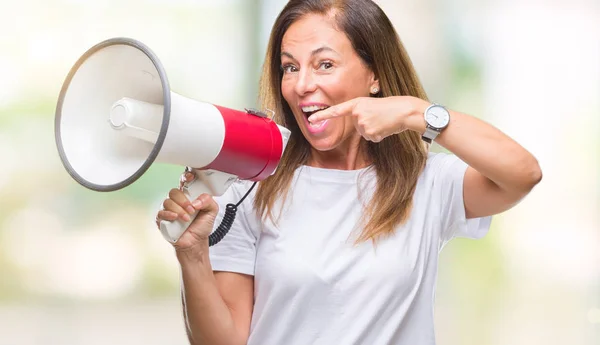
x=211 y=182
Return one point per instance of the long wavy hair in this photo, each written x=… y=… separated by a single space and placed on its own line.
x=398 y=159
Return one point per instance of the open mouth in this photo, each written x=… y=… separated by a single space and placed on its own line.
x=311 y=109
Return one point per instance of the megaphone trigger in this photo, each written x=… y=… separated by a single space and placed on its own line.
x=187 y=177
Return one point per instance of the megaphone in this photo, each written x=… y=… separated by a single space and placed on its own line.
x=116 y=116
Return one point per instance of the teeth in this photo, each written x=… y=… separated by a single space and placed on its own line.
x=313 y=108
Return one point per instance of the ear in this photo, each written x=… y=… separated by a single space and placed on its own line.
x=374 y=89
x=373 y=84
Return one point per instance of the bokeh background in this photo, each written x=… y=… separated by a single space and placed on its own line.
x=81 y=267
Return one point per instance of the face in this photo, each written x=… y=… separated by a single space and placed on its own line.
x=321 y=69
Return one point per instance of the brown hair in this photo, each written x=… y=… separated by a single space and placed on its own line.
x=398 y=159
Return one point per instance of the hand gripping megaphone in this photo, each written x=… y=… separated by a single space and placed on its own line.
x=116 y=116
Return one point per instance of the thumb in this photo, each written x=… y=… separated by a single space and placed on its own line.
x=207 y=209
x=206 y=204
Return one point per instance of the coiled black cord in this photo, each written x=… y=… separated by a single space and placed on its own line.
x=227 y=221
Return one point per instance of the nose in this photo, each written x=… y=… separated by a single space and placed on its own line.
x=306 y=82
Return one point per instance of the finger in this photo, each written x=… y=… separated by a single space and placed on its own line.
x=186 y=177
x=342 y=109
x=189 y=176
x=377 y=139
x=182 y=200
x=206 y=203
x=166 y=215
x=172 y=206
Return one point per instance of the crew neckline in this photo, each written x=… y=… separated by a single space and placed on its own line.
x=332 y=175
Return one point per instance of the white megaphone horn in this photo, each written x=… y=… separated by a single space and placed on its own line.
x=116 y=116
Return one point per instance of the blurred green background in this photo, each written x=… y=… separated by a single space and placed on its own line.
x=82 y=267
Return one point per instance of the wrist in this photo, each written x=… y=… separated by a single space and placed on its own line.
x=416 y=120
x=193 y=255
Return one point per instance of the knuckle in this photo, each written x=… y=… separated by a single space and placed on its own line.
x=371 y=132
x=210 y=202
x=207 y=197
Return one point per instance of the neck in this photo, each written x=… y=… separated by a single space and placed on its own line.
x=348 y=156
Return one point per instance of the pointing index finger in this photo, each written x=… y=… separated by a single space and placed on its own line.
x=342 y=109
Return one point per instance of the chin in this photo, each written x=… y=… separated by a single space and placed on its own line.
x=323 y=144
x=321 y=147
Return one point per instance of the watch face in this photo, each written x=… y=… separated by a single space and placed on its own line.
x=437 y=116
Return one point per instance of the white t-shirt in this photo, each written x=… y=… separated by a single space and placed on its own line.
x=312 y=285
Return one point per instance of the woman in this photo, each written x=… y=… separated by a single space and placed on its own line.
x=340 y=246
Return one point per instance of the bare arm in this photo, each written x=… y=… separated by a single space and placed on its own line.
x=500 y=173
x=217 y=306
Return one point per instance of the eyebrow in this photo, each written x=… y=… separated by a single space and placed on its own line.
x=314 y=52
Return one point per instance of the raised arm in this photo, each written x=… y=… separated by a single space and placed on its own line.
x=500 y=173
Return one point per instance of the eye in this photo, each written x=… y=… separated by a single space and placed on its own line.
x=288 y=69
x=325 y=65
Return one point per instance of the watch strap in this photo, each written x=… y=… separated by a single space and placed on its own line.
x=430 y=134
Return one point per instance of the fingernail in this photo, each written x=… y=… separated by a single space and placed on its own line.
x=197 y=203
x=186 y=217
x=190 y=209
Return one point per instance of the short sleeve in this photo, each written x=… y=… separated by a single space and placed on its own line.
x=449 y=177
x=236 y=252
